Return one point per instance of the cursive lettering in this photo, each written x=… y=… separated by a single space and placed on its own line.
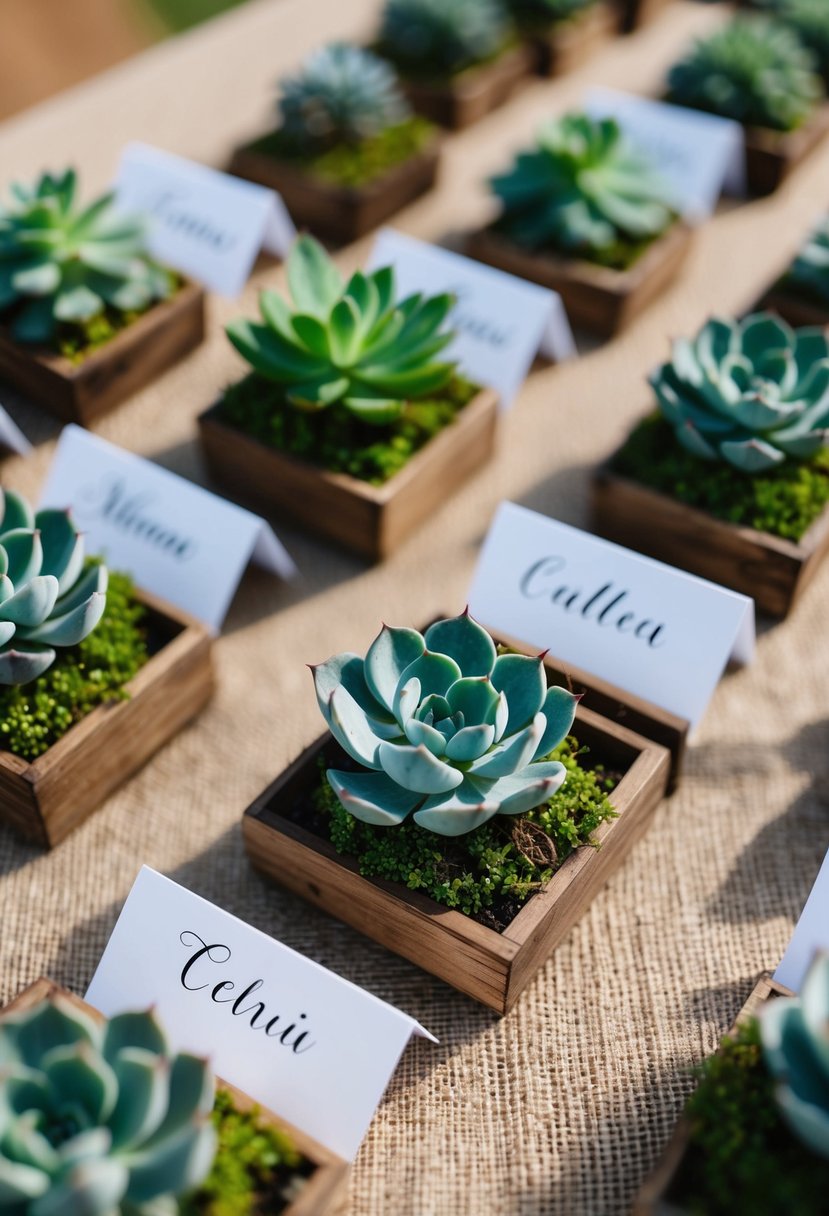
x=173 y=211
x=129 y=512
x=602 y=606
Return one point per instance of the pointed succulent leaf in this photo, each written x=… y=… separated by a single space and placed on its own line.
x=63 y=547
x=350 y=726
x=528 y=788
x=17 y=512
x=476 y=698
x=94 y=580
x=421 y=733
x=79 y=1074
x=407 y=699
x=314 y=281
x=390 y=654
x=464 y=640
x=513 y=753
x=415 y=768
x=73 y=626
x=373 y=797
x=192 y=1094
x=144 y=1090
x=457 y=812
x=25 y=555
x=174 y=1166
x=349 y=670
x=559 y=710
x=32 y=604
x=523 y=682
x=20 y=664
x=470 y=743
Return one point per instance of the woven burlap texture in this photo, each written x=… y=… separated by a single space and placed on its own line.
x=561 y=1107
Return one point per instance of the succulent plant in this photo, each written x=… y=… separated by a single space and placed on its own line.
x=63 y=264
x=753 y=70
x=442 y=727
x=749 y=392
x=346 y=342
x=794 y=1032
x=47 y=598
x=341 y=95
x=582 y=189
x=546 y=11
x=810 y=269
x=97 y=1118
x=440 y=37
x=809 y=19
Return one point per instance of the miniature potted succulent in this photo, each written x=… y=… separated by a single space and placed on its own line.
x=448 y=813
x=730 y=477
x=756 y=71
x=79 y=643
x=755 y=1135
x=348 y=418
x=458 y=59
x=801 y=295
x=809 y=19
x=86 y=316
x=347 y=151
x=563 y=34
x=586 y=214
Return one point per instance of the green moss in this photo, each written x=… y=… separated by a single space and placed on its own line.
x=77 y=340
x=36 y=715
x=255 y=1171
x=743 y=1158
x=353 y=164
x=785 y=501
x=491 y=872
x=335 y=439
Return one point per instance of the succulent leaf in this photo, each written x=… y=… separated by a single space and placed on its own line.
x=809 y=272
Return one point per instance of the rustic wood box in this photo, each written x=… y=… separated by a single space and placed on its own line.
x=771 y=156
x=371 y=520
x=493 y=968
x=464 y=99
x=340 y=213
x=47 y=798
x=595 y=297
x=568 y=44
x=796 y=308
x=81 y=392
x=773 y=571
x=326 y=1186
x=633 y=14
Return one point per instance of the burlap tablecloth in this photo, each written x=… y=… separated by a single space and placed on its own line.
x=562 y=1106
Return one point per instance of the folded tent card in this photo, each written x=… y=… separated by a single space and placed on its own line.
x=314 y=1048
x=11 y=436
x=811 y=934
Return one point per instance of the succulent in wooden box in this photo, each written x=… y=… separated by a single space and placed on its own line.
x=440 y=37
x=810 y=269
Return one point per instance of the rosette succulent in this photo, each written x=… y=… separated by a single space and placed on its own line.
x=754 y=70
x=810 y=269
x=749 y=392
x=60 y=263
x=348 y=343
x=442 y=727
x=584 y=188
x=440 y=37
x=795 y=1036
x=98 y=1118
x=341 y=95
x=48 y=598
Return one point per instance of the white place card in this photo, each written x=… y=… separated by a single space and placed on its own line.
x=811 y=934
x=11 y=436
x=502 y=322
x=209 y=225
x=175 y=538
x=650 y=629
x=699 y=155
x=312 y=1047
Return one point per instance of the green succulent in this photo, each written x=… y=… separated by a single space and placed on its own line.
x=794 y=1032
x=47 y=599
x=346 y=342
x=341 y=95
x=753 y=70
x=810 y=269
x=63 y=264
x=809 y=19
x=583 y=189
x=98 y=1118
x=441 y=37
x=547 y=12
x=751 y=393
x=442 y=727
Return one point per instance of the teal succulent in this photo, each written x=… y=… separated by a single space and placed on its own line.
x=347 y=343
x=341 y=95
x=98 y=1118
x=60 y=264
x=754 y=70
x=751 y=393
x=47 y=598
x=795 y=1035
x=441 y=37
x=810 y=269
x=583 y=189
x=809 y=20
x=442 y=727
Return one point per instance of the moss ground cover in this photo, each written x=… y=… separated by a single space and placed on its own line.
x=356 y=164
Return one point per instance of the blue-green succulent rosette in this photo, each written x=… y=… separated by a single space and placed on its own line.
x=443 y=728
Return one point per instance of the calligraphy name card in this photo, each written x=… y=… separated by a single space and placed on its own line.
x=811 y=934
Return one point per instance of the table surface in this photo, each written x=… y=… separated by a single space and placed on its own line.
x=561 y=1107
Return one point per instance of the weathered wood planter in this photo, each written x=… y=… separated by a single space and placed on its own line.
x=595 y=297
x=773 y=571
x=47 y=798
x=567 y=45
x=340 y=213
x=795 y=307
x=633 y=14
x=81 y=392
x=657 y=1196
x=493 y=968
x=325 y=1188
x=371 y=520
x=465 y=98
x=771 y=156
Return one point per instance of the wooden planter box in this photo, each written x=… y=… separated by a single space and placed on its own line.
x=654 y=1198
x=595 y=297
x=340 y=213
x=371 y=520
x=81 y=392
x=633 y=14
x=326 y=1185
x=772 y=155
x=567 y=45
x=797 y=309
x=464 y=99
x=493 y=968
x=47 y=798
x=773 y=571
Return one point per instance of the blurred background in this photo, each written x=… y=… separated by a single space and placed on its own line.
x=47 y=45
